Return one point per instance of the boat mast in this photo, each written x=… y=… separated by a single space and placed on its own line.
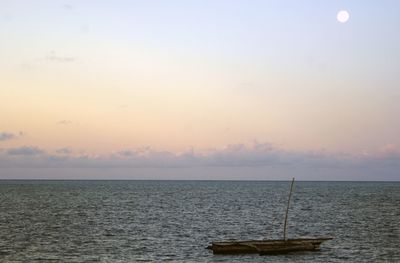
x=287 y=211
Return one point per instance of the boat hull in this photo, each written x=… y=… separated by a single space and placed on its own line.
x=265 y=247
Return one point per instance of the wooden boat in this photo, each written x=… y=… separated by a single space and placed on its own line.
x=272 y=246
x=267 y=247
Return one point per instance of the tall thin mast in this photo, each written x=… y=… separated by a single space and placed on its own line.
x=287 y=211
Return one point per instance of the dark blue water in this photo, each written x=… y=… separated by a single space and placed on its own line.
x=142 y=221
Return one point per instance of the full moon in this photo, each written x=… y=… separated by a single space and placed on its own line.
x=343 y=16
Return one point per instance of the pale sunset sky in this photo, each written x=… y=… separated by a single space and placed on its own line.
x=199 y=90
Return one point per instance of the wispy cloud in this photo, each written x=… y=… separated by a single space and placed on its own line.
x=64 y=150
x=389 y=150
x=5 y=136
x=64 y=122
x=68 y=6
x=25 y=151
x=54 y=57
x=126 y=153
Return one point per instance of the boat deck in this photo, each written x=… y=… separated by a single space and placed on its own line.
x=264 y=247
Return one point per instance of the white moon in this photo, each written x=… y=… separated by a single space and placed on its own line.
x=343 y=16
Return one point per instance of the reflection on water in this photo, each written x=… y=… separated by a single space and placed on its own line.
x=133 y=221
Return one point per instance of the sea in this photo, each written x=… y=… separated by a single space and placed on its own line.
x=174 y=221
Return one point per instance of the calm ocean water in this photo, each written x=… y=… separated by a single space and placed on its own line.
x=159 y=221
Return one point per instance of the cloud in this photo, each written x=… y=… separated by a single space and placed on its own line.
x=5 y=136
x=126 y=153
x=53 y=57
x=123 y=106
x=25 y=151
x=236 y=161
x=390 y=150
x=64 y=151
x=68 y=6
x=64 y=122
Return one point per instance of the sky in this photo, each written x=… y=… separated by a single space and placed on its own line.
x=243 y=90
